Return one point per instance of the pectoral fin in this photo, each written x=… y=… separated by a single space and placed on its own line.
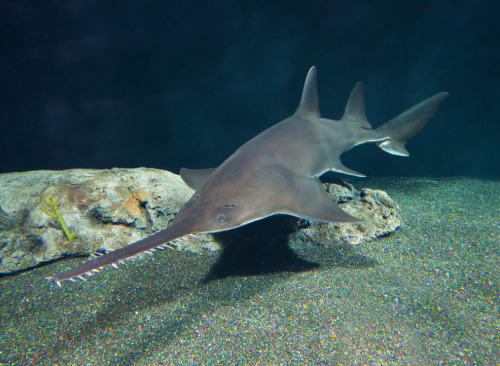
x=310 y=201
x=195 y=178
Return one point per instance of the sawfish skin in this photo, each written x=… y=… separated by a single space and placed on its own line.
x=277 y=172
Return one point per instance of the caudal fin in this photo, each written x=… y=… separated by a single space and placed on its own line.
x=406 y=125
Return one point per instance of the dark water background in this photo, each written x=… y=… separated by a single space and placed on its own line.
x=166 y=84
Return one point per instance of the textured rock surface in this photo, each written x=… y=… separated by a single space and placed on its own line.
x=109 y=209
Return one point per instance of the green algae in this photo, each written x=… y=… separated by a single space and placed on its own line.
x=53 y=211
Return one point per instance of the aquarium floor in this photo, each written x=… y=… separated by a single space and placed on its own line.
x=428 y=294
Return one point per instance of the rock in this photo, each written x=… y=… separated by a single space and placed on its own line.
x=109 y=209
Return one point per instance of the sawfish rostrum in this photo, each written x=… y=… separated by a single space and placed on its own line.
x=277 y=172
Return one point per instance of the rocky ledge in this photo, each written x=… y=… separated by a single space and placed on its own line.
x=109 y=209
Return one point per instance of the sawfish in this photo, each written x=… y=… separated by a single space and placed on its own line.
x=276 y=172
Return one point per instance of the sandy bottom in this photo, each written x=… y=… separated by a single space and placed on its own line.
x=428 y=294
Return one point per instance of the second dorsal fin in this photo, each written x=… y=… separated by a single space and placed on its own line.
x=355 y=108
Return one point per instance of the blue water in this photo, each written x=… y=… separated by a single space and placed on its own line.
x=168 y=85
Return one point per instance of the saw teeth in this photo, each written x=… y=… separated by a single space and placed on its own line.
x=95 y=255
x=114 y=265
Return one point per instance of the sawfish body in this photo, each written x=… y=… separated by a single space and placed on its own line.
x=277 y=172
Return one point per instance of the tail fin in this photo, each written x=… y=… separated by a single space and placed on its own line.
x=406 y=125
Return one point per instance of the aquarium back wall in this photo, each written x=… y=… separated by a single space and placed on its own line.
x=85 y=84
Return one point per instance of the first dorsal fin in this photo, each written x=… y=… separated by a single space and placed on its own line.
x=309 y=101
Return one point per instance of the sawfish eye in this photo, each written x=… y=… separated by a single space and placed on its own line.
x=221 y=218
